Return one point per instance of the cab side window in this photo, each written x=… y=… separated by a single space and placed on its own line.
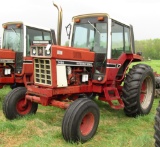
x=120 y=39
x=127 y=40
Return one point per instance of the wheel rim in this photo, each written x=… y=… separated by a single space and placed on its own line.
x=87 y=124
x=23 y=107
x=146 y=92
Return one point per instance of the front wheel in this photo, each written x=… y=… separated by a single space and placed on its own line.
x=157 y=128
x=138 y=90
x=80 y=121
x=15 y=105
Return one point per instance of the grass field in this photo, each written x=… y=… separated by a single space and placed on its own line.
x=44 y=128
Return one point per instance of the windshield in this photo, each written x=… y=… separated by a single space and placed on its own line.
x=34 y=34
x=90 y=35
x=12 y=39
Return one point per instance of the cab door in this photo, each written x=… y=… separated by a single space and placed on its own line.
x=100 y=49
x=120 y=45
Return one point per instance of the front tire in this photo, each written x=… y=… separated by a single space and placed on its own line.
x=14 y=104
x=157 y=127
x=138 y=90
x=80 y=121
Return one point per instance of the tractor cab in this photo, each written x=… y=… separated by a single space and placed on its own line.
x=18 y=36
x=15 y=57
x=112 y=41
x=102 y=34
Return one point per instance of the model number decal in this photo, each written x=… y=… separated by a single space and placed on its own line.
x=59 y=52
x=60 y=62
x=75 y=63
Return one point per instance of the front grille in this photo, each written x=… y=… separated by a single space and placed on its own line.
x=42 y=71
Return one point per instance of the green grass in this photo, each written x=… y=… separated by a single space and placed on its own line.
x=154 y=64
x=44 y=128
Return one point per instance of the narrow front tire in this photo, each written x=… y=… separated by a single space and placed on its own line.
x=80 y=121
x=15 y=105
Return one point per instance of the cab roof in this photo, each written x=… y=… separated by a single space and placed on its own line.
x=99 y=14
x=26 y=24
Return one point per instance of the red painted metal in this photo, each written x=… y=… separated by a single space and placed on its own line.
x=69 y=53
x=109 y=88
x=87 y=124
x=23 y=107
x=49 y=92
x=5 y=57
x=111 y=73
x=59 y=104
x=51 y=102
x=33 y=98
x=7 y=80
x=111 y=95
x=8 y=56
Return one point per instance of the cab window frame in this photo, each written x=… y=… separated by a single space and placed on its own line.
x=116 y=52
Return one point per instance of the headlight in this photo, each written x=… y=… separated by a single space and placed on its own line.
x=40 y=51
x=48 y=52
x=33 y=51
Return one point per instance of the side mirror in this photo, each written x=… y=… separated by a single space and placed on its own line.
x=68 y=30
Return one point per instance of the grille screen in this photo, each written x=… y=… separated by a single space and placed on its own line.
x=42 y=70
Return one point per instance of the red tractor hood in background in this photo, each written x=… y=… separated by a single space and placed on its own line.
x=7 y=54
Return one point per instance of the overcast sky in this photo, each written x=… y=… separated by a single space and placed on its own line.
x=144 y=15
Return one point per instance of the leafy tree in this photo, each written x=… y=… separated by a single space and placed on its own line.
x=149 y=48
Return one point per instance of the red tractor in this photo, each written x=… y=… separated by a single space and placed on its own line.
x=157 y=127
x=15 y=60
x=101 y=50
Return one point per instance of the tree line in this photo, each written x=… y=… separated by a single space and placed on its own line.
x=150 y=48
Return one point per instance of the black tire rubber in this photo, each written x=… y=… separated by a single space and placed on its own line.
x=157 y=80
x=157 y=93
x=73 y=118
x=157 y=127
x=10 y=103
x=131 y=91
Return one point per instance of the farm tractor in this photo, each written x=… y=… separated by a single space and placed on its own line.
x=93 y=66
x=15 y=60
x=157 y=127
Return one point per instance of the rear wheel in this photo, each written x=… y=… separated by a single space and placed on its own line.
x=80 y=121
x=157 y=128
x=15 y=105
x=157 y=80
x=138 y=90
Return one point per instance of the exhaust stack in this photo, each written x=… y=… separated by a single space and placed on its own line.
x=59 y=24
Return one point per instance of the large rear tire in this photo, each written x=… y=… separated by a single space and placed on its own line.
x=138 y=90
x=80 y=121
x=14 y=104
x=157 y=127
